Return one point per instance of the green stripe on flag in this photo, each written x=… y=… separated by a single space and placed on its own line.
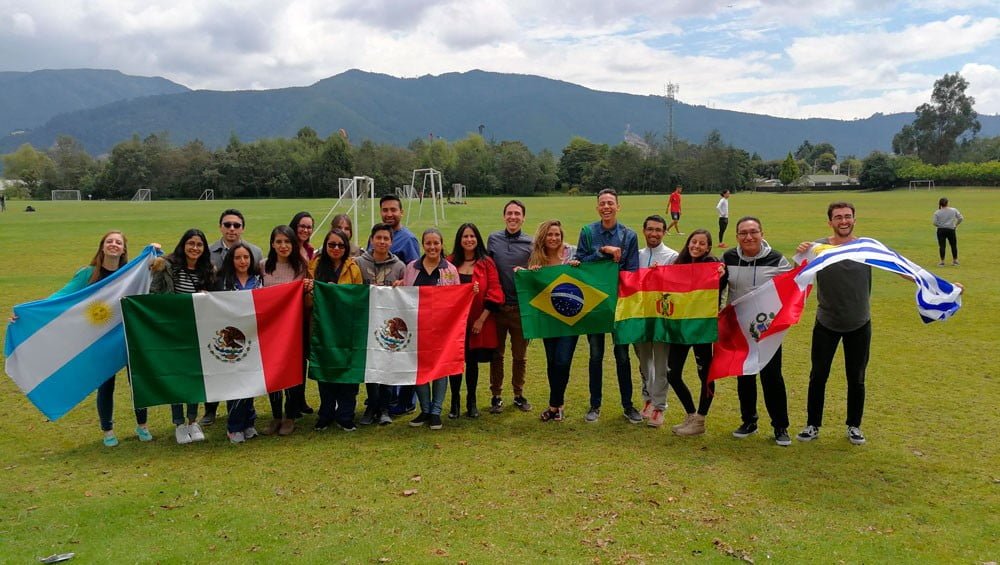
x=339 y=340
x=163 y=349
x=689 y=331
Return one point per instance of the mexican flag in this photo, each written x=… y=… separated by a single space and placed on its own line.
x=208 y=347
x=752 y=328
x=402 y=335
x=562 y=300
x=670 y=303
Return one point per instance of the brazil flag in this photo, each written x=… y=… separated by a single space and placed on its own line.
x=563 y=300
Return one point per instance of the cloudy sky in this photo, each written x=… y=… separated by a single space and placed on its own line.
x=837 y=58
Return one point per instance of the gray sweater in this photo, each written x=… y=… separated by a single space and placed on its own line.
x=947 y=218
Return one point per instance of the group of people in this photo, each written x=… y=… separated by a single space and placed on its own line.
x=392 y=255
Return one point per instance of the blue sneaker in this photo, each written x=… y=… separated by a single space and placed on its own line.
x=143 y=434
x=110 y=440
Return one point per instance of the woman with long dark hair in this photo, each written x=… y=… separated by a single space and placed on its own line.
x=239 y=272
x=697 y=249
x=548 y=250
x=285 y=263
x=474 y=266
x=431 y=269
x=187 y=270
x=302 y=224
x=337 y=401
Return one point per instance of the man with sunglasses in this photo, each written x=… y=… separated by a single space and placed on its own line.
x=231 y=226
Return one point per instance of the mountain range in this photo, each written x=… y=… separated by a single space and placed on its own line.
x=101 y=108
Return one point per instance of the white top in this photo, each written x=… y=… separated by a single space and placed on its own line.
x=723 y=207
x=661 y=255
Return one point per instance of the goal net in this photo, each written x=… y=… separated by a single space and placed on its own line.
x=66 y=195
x=208 y=194
x=142 y=195
x=915 y=184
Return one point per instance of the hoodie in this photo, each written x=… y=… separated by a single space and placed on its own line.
x=380 y=273
x=747 y=273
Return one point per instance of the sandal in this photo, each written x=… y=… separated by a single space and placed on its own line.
x=550 y=414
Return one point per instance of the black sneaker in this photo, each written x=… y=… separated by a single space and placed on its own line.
x=633 y=415
x=436 y=422
x=347 y=426
x=781 y=437
x=369 y=417
x=420 y=420
x=306 y=409
x=496 y=405
x=854 y=434
x=808 y=433
x=522 y=404
x=745 y=430
x=321 y=424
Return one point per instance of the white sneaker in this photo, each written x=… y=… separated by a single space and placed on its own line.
x=236 y=437
x=196 y=433
x=855 y=436
x=250 y=432
x=182 y=434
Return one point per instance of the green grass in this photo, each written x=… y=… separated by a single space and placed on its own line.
x=509 y=488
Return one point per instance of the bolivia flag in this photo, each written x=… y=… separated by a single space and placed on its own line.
x=390 y=335
x=670 y=303
x=208 y=347
x=562 y=300
x=752 y=328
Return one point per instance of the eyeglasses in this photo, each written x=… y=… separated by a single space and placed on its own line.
x=234 y=225
x=336 y=246
x=310 y=228
x=748 y=233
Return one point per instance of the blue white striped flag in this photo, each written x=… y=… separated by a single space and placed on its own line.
x=937 y=299
x=61 y=349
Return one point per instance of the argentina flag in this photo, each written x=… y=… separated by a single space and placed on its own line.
x=937 y=299
x=60 y=349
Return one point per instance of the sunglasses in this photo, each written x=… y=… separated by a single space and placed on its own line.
x=336 y=246
x=235 y=225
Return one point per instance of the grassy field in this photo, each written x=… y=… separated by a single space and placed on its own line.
x=926 y=487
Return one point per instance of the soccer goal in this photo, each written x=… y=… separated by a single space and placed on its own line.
x=355 y=192
x=208 y=194
x=66 y=195
x=142 y=195
x=927 y=184
x=458 y=194
x=431 y=181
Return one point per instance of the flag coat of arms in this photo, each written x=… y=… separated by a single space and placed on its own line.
x=406 y=335
x=209 y=347
x=669 y=303
x=61 y=349
x=752 y=328
x=563 y=300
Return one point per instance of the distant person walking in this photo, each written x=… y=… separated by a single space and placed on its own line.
x=723 y=208
x=946 y=220
x=3 y=202
x=674 y=209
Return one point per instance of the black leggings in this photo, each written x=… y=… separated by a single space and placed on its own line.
x=675 y=367
x=947 y=235
x=723 y=224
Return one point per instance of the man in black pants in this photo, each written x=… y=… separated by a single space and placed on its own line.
x=843 y=313
x=750 y=265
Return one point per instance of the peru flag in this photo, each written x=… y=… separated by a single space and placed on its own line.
x=752 y=328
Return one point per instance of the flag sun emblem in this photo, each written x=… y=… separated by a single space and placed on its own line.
x=230 y=345
x=393 y=335
x=99 y=313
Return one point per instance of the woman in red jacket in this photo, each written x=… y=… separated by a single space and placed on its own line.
x=475 y=266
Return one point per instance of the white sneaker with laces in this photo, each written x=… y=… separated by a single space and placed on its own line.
x=855 y=436
x=196 y=433
x=808 y=433
x=182 y=434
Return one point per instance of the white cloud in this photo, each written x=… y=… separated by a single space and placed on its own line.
x=21 y=24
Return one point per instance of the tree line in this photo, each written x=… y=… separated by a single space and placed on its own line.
x=940 y=145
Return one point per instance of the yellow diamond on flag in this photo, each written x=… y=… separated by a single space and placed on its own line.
x=568 y=299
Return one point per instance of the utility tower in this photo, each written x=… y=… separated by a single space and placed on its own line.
x=672 y=90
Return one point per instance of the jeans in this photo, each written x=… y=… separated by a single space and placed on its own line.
x=431 y=396
x=675 y=362
x=623 y=368
x=775 y=397
x=558 y=358
x=378 y=397
x=242 y=414
x=106 y=406
x=337 y=401
x=177 y=413
x=857 y=344
x=508 y=320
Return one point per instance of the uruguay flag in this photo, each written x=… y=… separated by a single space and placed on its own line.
x=937 y=299
x=61 y=349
